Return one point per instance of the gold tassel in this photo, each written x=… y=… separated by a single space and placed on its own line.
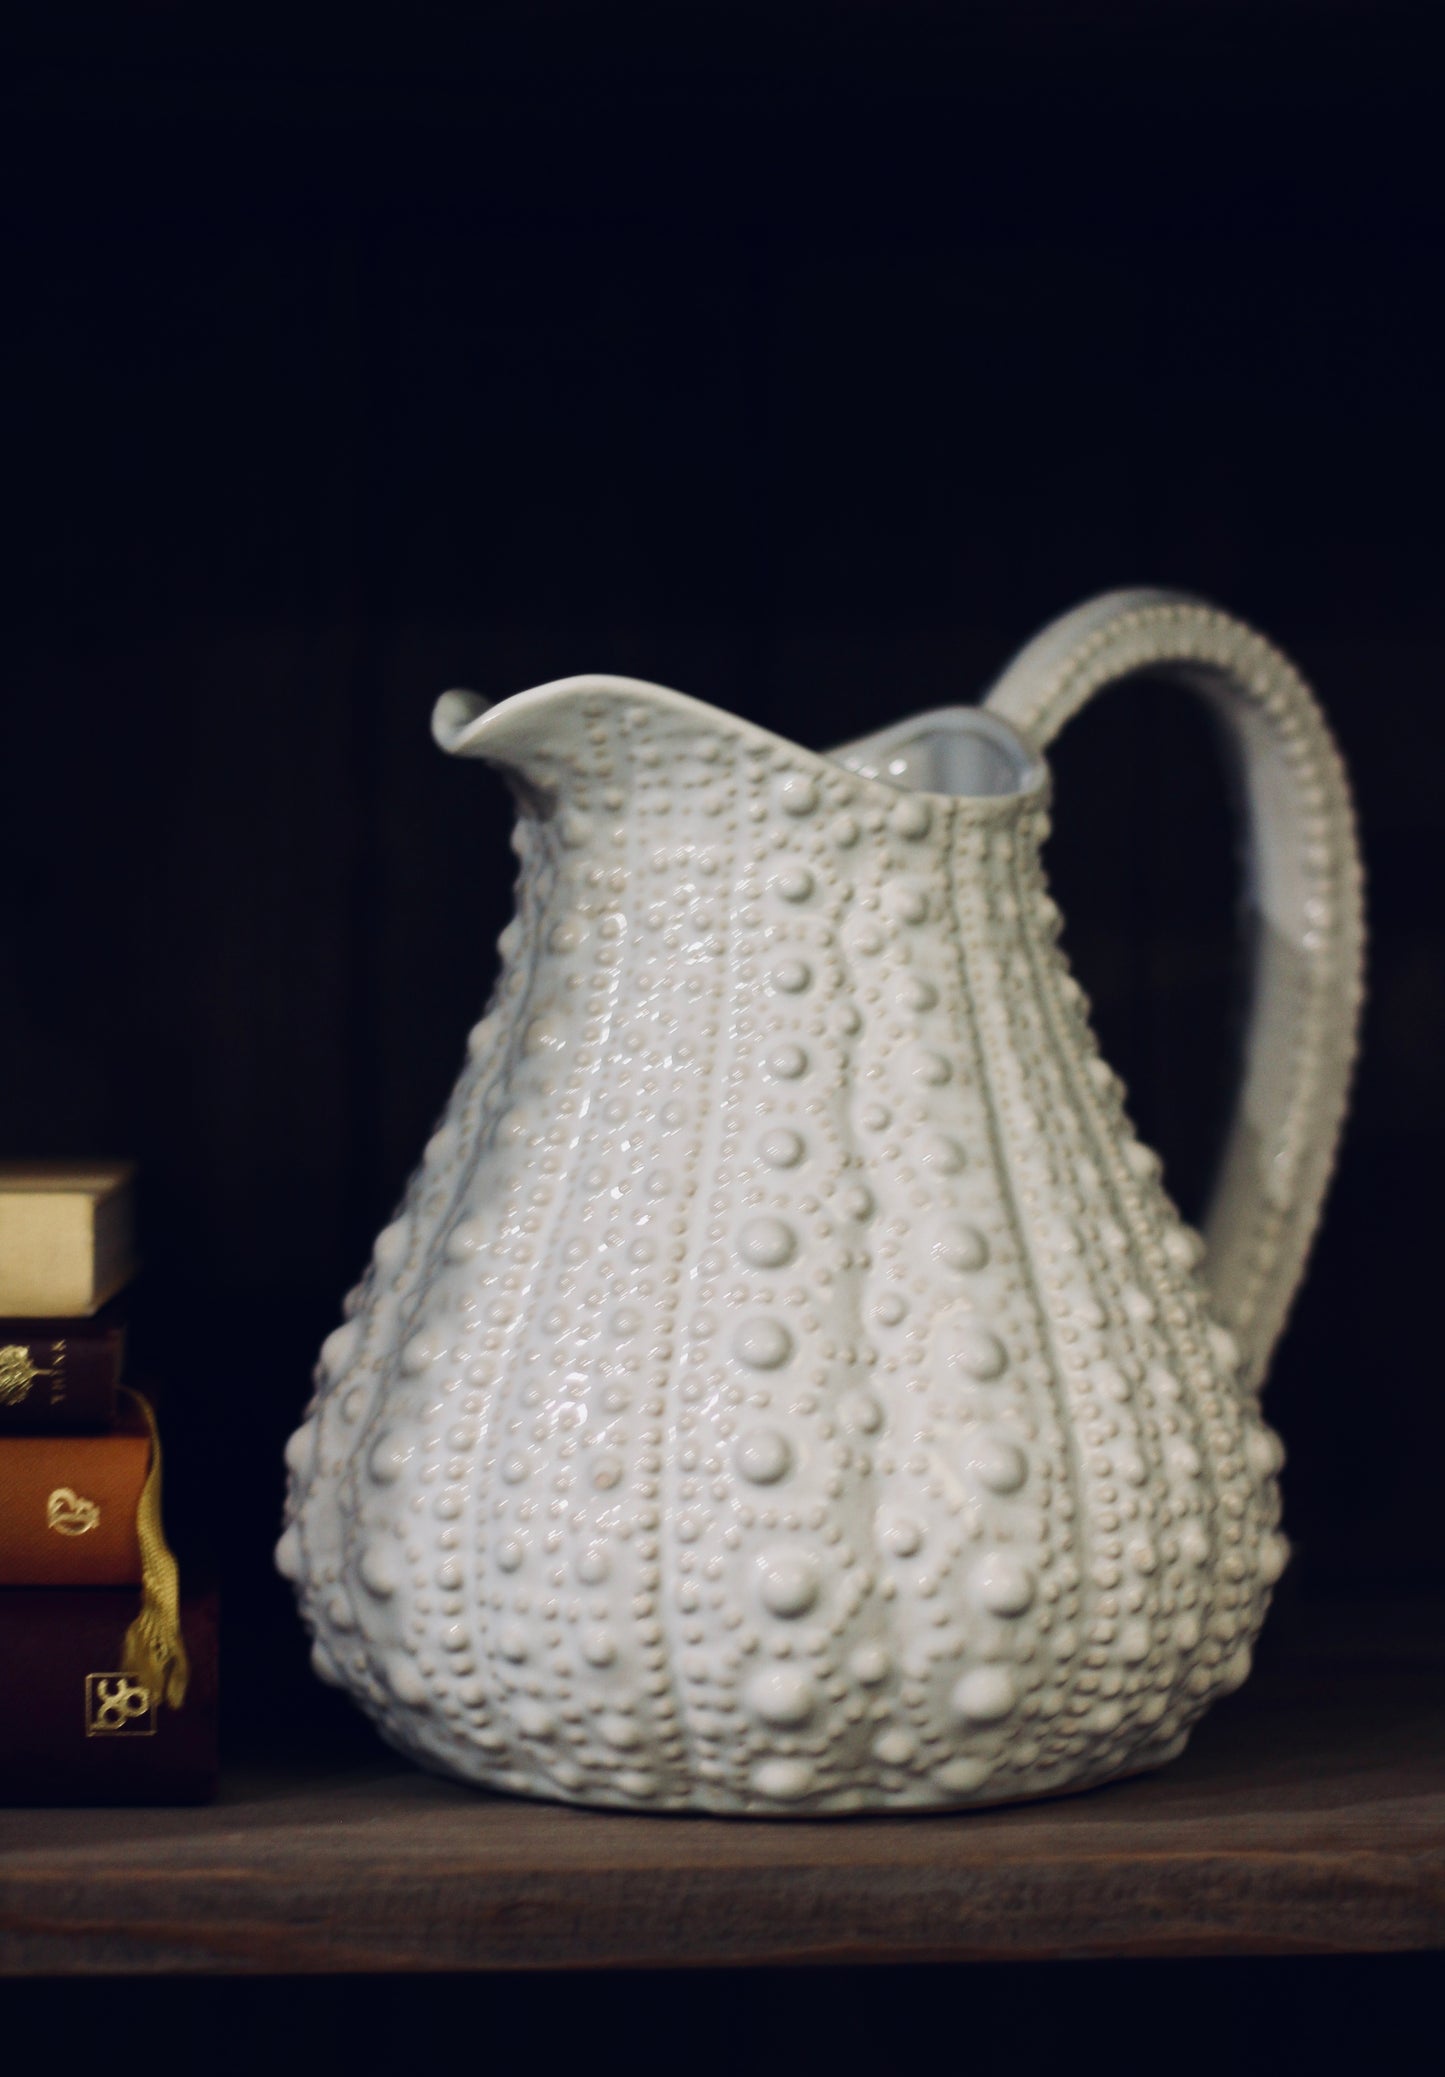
x=154 y=1651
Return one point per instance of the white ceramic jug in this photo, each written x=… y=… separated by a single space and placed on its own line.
x=786 y=1386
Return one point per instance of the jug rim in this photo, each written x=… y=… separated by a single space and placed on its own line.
x=465 y=724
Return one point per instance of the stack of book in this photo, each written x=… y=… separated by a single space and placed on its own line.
x=107 y=1669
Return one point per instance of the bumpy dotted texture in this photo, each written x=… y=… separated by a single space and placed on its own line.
x=786 y=1387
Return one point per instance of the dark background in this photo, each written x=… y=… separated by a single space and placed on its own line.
x=806 y=357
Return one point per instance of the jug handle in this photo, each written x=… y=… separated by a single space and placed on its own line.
x=1303 y=905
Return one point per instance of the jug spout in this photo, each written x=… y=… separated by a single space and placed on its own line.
x=573 y=734
x=559 y=738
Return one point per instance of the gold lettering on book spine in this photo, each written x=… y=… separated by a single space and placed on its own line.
x=118 y=1707
x=19 y=1370
x=69 y=1513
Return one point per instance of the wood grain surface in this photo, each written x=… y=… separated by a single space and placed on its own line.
x=1308 y=1817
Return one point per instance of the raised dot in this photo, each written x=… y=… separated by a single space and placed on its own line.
x=903 y=1537
x=1264 y=1451
x=388 y=1459
x=620 y=1732
x=763 y=1455
x=391 y=1244
x=762 y=1343
x=870 y=1664
x=984 y=1694
x=593 y=1566
x=931 y=1068
x=481 y=1035
x=996 y=1463
x=781 y=1148
x=1235 y=1670
x=301 y=1449
x=845 y=832
x=1134 y=1642
x=1224 y=1348
x=798 y=795
x=787 y=1062
x=1002 y=1585
x=895 y=1746
x=857 y=1201
x=914 y=993
x=789 y=1583
x=404 y=1680
x=466 y=1239
x=781 y=1695
x=339 y=1347
x=439 y=1147
x=783 y=1781
x=1273 y=1557
x=979 y=1352
x=325 y=1667
x=911 y=818
x=380 y=1569
x=1184 y=1247
x=791 y=976
x=890 y=1309
x=794 y=883
x=936 y=1150
x=607 y=1472
x=642 y=1787
x=860 y=1410
x=599 y=1648
x=962 y=1774
x=767 y=1243
x=908 y=904
x=533 y=1720
x=864 y=937
x=961 y=1248
x=290 y=1558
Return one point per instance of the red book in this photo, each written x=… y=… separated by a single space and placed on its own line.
x=57 y=1375
x=74 y=1727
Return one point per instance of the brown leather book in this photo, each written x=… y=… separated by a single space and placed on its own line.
x=68 y=1506
x=59 y=1375
x=75 y=1728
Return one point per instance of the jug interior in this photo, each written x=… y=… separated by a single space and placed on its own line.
x=956 y=750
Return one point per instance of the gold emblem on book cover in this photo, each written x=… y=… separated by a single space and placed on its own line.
x=69 y=1513
x=18 y=1372
x=118 y=1707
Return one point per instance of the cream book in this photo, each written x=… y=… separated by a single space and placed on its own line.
x=67 y=1236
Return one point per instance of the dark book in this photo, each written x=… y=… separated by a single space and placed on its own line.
x=60 y=1375
x=75 y=1727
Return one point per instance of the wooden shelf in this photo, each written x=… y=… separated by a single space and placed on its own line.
x=1308 y=1817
